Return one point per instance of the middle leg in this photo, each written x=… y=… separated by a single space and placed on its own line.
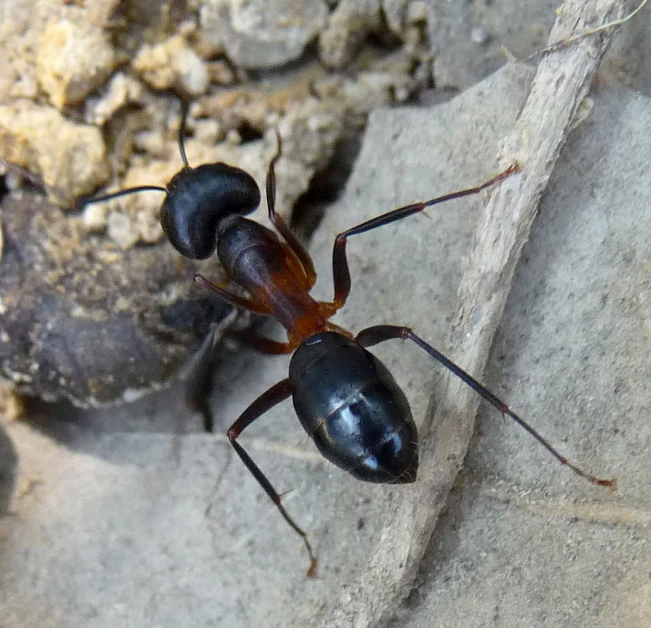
x=340 y=270
x=236 y=300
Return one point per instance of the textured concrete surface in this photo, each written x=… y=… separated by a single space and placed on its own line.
x=470 y=40
x=524 y=542
x=120 y=521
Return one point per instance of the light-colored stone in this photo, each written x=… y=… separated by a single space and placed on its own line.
x=263 y=33
x=122 y=230
x=95 y=217
x=172 y=64
x=347 y=27
x=121 y=90
x=70 y=157
x=73 y=60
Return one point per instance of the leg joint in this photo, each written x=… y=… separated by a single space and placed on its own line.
x=232 y=434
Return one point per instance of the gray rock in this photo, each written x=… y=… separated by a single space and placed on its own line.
x=146 y=529
x=501 y=28
x=525 y=542
x=80 y=320
x=263 y=33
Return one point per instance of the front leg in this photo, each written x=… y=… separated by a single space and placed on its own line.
x=340 y=270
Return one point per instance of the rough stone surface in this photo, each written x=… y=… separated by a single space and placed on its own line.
x=70 y=158
x=263 y=33
x=347 y=27
x=79 y=320
x=146 y=520
x=120 y=91
x=525 y=542
x=73 y=60
x=24 y=22
x=521 y=29
x=172 y=64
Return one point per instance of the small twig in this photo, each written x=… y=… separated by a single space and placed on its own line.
x=564 y=43
x=560 y=85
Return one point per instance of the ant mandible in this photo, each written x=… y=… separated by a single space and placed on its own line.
x=345 y=398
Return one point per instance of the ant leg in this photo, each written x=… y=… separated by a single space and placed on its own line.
x=272 y=397
x=185 y=108
x=380 y=333
x=294 y=243
x=234 y=299
x=198 y=378
x=340 y=270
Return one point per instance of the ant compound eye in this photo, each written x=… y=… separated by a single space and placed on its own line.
x=198 y=199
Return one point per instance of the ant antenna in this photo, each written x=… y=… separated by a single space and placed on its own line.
x=143 y=188
x=81 y=203
x=185 y=107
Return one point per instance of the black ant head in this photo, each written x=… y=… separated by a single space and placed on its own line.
x=198 y=199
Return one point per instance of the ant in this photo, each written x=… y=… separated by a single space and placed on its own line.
x=345 y=398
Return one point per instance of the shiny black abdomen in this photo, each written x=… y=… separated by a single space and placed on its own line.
x=351 y=406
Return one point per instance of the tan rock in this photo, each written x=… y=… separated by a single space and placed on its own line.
x=173 y=63
x=72 y=61
x=70 y=158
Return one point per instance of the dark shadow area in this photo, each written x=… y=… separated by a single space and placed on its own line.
x=3 y=186
x=248 y=133
x=325 y=188
x=13 y=177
